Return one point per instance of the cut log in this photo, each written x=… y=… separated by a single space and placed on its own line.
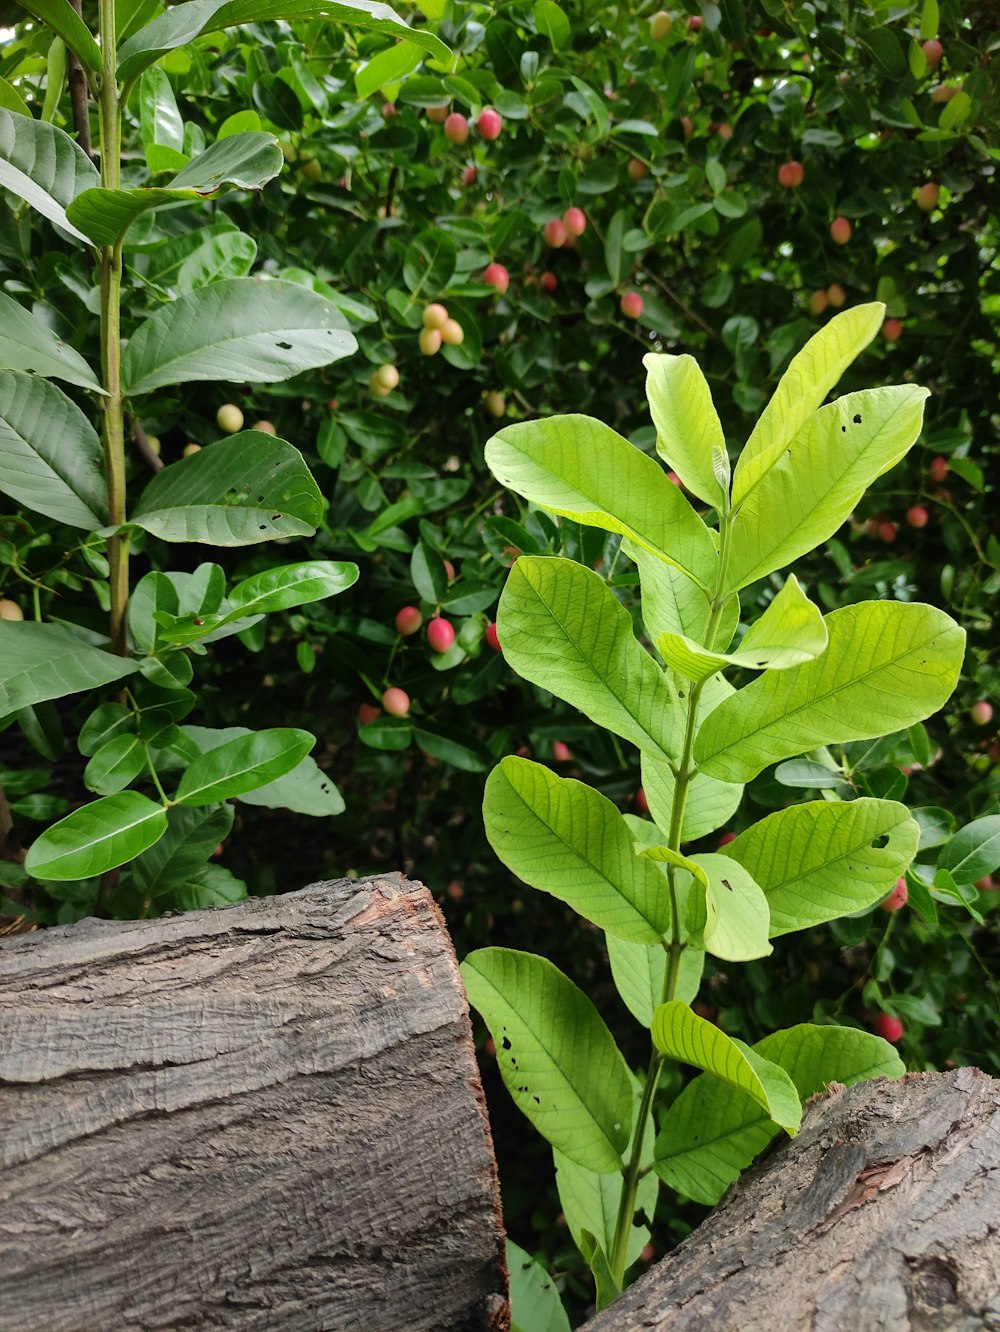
x=266 y=1116
x=883 y=1215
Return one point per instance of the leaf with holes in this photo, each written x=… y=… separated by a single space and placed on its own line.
x=241 y=330
x=557 y=1058
x=305 y=789
x=727 y=912
x=244 y=764
x=887 y=665
x=239 y=491
x=822 y=860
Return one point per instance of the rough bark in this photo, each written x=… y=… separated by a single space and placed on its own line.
x=883 y=1215
x=266 y=1116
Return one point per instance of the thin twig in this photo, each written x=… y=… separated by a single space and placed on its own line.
x=80 y=94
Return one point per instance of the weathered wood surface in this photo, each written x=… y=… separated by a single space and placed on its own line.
x=266 y=1116
x=883 y=1215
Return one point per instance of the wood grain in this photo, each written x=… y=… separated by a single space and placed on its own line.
x=266 y=1116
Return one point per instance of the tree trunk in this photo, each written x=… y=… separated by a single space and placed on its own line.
x=266 y=1116
x=883 y=1215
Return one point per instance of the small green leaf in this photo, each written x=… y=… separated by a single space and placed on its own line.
x=563 y=629
x=41 y=661
x=288 y=585
x=683 y=1035
x=791 y=631
x=607 y=1287
x=640 y=972
x=822 y=860
x=243 y=764
x=50 y=455
x=973 y=852
x=557 y=1058
x=115 y=765
x=729 y=917
x=567 y=839
x=97 y=837
x=254 y=330
x=191 y=837
x=390 y=65
x=239 y=491
x=27 y=344
x=582 y=469
x=689 y=436
x=887 y=665
x=803 y=386
x=672 y=604
x=43 y=166
x=212 y=885
x=535 y=1305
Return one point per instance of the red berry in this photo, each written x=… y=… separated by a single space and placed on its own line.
x=631 y=305
x=928 y=195
x=889 y=1028
x=456 y=128
x=933 y=51
x=560 y=752
x=408 y=620
x=489 y=124
x=938 y=469
x=641 y=803
x=887 y=532
x=674 y=479
x=469 y=175
x=449 y=569
x=891 y=330
x=575 y=221
x=791 y=175
x=396 y=702
x=726 y=838
x=367 y=712
x=492 y=638
x=555 y=233
x=841 y=230
x=897 y=898
x=548 y=281
x=981 y=713
x=440 y=634
x=917 y=516
x=495 y=275
x=695 y=22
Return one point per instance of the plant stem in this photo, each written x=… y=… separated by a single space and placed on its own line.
x=110 y=265
x=685 y=772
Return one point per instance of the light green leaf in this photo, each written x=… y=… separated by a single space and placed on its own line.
x=26 y=344
x=551 y=22
x=246 y=161
x=727 y=912
x=711 y=1132
x=160 y=118
x=791 y=631
x=562 y=628
x=814 y=486
x=62 y=18
x=43 y=166
x=181 y=24
x=288 y=585
x=50 y=455
x=12 y=100
x=115 y=765
x=97 y=837
x=535 y=1305
x=243 y=764
x=822 y=860
x=808 y=379
x=640 y=973
x=973 y=852
x=240 y=329
x=41 y=661
x=887 y=665
x=245 y=489
x=672 y=604
x=582 y=469
x=689 y=436
x=191 y=837
x=305 y=789
x=388 y=66
x=710 y=803
x=557 y=1058
x=607 y=1287
x=567 y=839
x=681 y=1034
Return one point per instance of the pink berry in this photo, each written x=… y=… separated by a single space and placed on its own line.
x=641 y=803
x=631 y=305
x=636 y=169
x=928 y=195
x=548 y=282
x=469 y=175
x=555 y=233
x=449 y=569
x=889 y=1028
x=437 y=115
x=396 y=701
x=897 y=898
x=456 y=128
x=791 y=175
x=560 y=751
x=917 y=516
x=933 y=51
x=726 y=838
x=938 y=469
x=367 y=712
x=575 y=221
x=489 y=124
x=892 y=330
x=495 y=275
x=440 y=634
x=674 y=479
x=887 y=532
x=491 y=638
x=408 y=620
x=981 y=713
x=841 y=230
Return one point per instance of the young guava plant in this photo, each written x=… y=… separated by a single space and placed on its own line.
x=819 y=680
